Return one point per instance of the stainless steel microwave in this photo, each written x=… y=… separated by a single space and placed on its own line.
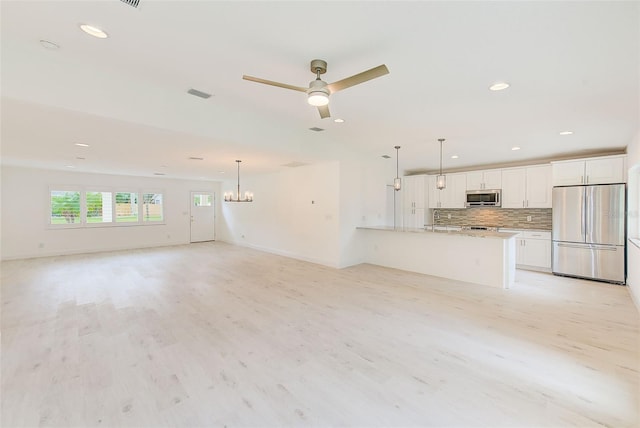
x=483 y=198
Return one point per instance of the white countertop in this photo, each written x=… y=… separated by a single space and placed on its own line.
x=471 y=233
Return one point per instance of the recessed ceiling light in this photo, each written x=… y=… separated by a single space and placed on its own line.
x=49 y=45
x=454 y=156
x=515 y=148
x=339 y=120
x=499 y=86
x=81 y=145
x=195 y=158
x=221 y=172
x=566 y=133
x=158 y=173
x=80 y=158
x=69 y=166
x=93 y=31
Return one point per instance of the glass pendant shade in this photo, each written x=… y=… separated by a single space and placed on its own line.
x=397 y=183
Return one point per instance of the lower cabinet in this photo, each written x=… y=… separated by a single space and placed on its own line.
x=533 y=249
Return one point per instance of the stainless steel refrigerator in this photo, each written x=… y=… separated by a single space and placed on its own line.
x=589 y=232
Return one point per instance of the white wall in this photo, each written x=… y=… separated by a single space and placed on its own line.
x=25 y=214
x=633 y=219
x=295 y=213
x=310 y=212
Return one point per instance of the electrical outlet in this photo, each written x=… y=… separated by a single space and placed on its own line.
x=528 y=218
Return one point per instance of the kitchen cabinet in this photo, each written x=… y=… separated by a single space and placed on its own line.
x=528 y=187
x=602 y=170
x=452 y=196
x=533 y=249
x=414 y=195
x=481 y=180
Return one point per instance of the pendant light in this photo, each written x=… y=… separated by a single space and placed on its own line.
x=441 y=180
x=248 y=196
x=397 y=182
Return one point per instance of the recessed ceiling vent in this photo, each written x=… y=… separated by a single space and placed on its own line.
x=316 y=129
x=132 y=3
x=198 y=93
x=386 y=156
x=195 y=158
x=295 y=164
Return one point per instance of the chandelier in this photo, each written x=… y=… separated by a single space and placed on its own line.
x=248 y=196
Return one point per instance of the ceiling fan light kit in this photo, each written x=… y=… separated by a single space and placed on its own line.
x=318 y=91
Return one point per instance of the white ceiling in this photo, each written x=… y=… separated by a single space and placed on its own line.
x=571 y=65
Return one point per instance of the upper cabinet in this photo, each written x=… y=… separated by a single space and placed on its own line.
x=452 y=196
x=528 y=187
x=604 y=170
x=480 y=180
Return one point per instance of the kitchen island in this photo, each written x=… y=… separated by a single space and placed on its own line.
x=481 y=257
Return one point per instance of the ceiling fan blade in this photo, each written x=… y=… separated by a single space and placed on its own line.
x=324 y=111
x=378 y=71
x=272 y=83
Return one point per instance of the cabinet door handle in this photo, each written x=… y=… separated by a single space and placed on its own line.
x=523 y=204
x=581 y=180
x=587 y=179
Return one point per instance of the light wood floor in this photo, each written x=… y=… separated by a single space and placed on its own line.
x=217 y=335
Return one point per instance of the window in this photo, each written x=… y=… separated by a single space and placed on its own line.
x=152 y=207
x=126 y=207
x=72 y=206
x=65 y=207
x=99 y=207
x=202 y=200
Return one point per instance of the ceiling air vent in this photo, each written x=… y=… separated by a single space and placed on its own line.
x=198 y=93
x=316 y=129
x=386 y=156
x=133 y=3
x=195 y=158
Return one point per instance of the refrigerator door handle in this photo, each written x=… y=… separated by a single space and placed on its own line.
x=585 y=209
x=593 y=247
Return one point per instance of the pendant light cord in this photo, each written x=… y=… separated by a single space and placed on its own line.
x=238 y=179
x=441 y=140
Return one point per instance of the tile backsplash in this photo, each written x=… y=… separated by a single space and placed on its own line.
x=501 y=217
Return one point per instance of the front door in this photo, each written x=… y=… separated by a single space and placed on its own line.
x=202 y=216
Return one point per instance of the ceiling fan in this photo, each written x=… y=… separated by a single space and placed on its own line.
x=318 y=91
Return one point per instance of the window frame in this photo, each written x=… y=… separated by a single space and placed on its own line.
x=65 y=188
x=141 y=206
x=86 y=210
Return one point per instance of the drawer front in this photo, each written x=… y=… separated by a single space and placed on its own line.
x=537 y=235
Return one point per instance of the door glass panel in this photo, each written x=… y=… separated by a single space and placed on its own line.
x=200 y=200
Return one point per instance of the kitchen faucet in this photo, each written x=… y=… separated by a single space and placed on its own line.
x=435 y=216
